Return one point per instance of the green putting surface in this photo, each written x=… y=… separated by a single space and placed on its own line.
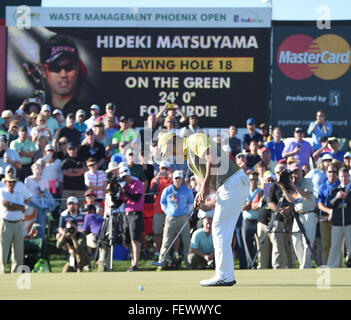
x=179 y=285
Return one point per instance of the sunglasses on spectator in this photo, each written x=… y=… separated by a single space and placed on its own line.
x=332 y=171
x=253 y=179
x=57 y=68
x=71 y=148
x=70 y=203
x=164 y=168
x=62 y=143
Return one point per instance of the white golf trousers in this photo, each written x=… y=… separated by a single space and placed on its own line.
x=230 y=198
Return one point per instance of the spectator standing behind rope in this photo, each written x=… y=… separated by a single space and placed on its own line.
x=158 y=184
x=276 y=145
x=250 y=218
x=326 y=210
x=26 y=149
x=340 y=202
x=176 y=202
x=12 y=207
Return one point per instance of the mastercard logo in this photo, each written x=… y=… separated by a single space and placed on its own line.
x=326 y=57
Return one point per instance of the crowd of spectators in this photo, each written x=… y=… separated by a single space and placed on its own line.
x=55 y=172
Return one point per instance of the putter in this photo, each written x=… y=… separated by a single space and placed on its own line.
x=161 y=264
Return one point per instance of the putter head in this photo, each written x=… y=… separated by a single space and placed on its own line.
x=155 y=263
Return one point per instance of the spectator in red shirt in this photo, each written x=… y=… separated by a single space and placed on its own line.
x=158 y=183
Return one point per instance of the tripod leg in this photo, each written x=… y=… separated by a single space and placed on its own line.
x=303 y=231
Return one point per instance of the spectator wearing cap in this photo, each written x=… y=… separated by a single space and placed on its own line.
x=201 y=244
x=20 y=116
x=111 y=110
x=252 y=134
x=90 y=197
x=68 y=131
x=299 y=148
x=41 y=129
x=192 y=127
x=12 y=207
x=176 y=202
x=171 y=110
x=52 y=171
x=58 y=115
x=276 y=145
x=7 y=116
x=241 y=161
x=7 y=155
x=63 y=73
x=72 y=212
x=51 y=122
x=73 y=169
x=95 y=180
x=79 y=124
x=319 y=175
x=94 y=115
x=347 y=160
x=26 y=150
x=132 y=194
x=318 y=129
x=124 y=134
x=162 y=180
x=264 y=131
x=234 y=142
x=323 y=202
x=91 y=148
x=301 y=197
x=334 y=149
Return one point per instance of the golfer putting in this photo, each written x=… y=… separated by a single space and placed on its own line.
x=218 y=171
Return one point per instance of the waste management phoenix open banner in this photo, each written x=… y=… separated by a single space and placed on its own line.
x=311 y=71
x=211 y=62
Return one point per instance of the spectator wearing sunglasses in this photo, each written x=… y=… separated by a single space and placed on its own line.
x=63 y=72
x=68 y=131
x=326 y=209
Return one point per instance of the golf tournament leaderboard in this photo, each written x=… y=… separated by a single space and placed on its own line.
x=213 y=62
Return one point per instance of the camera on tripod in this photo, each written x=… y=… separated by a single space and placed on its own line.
x=113 y=188
x=285 y=178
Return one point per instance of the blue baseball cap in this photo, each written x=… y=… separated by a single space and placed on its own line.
x=251 y=121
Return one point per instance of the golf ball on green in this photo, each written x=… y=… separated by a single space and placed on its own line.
x=141 y=288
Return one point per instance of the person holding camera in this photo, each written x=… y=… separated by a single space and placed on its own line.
x=299 y=192
x=299 y=148
x=340 y=203
x=132 y=194
x=282 y=251
x=319 y=128
x=75 y=243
